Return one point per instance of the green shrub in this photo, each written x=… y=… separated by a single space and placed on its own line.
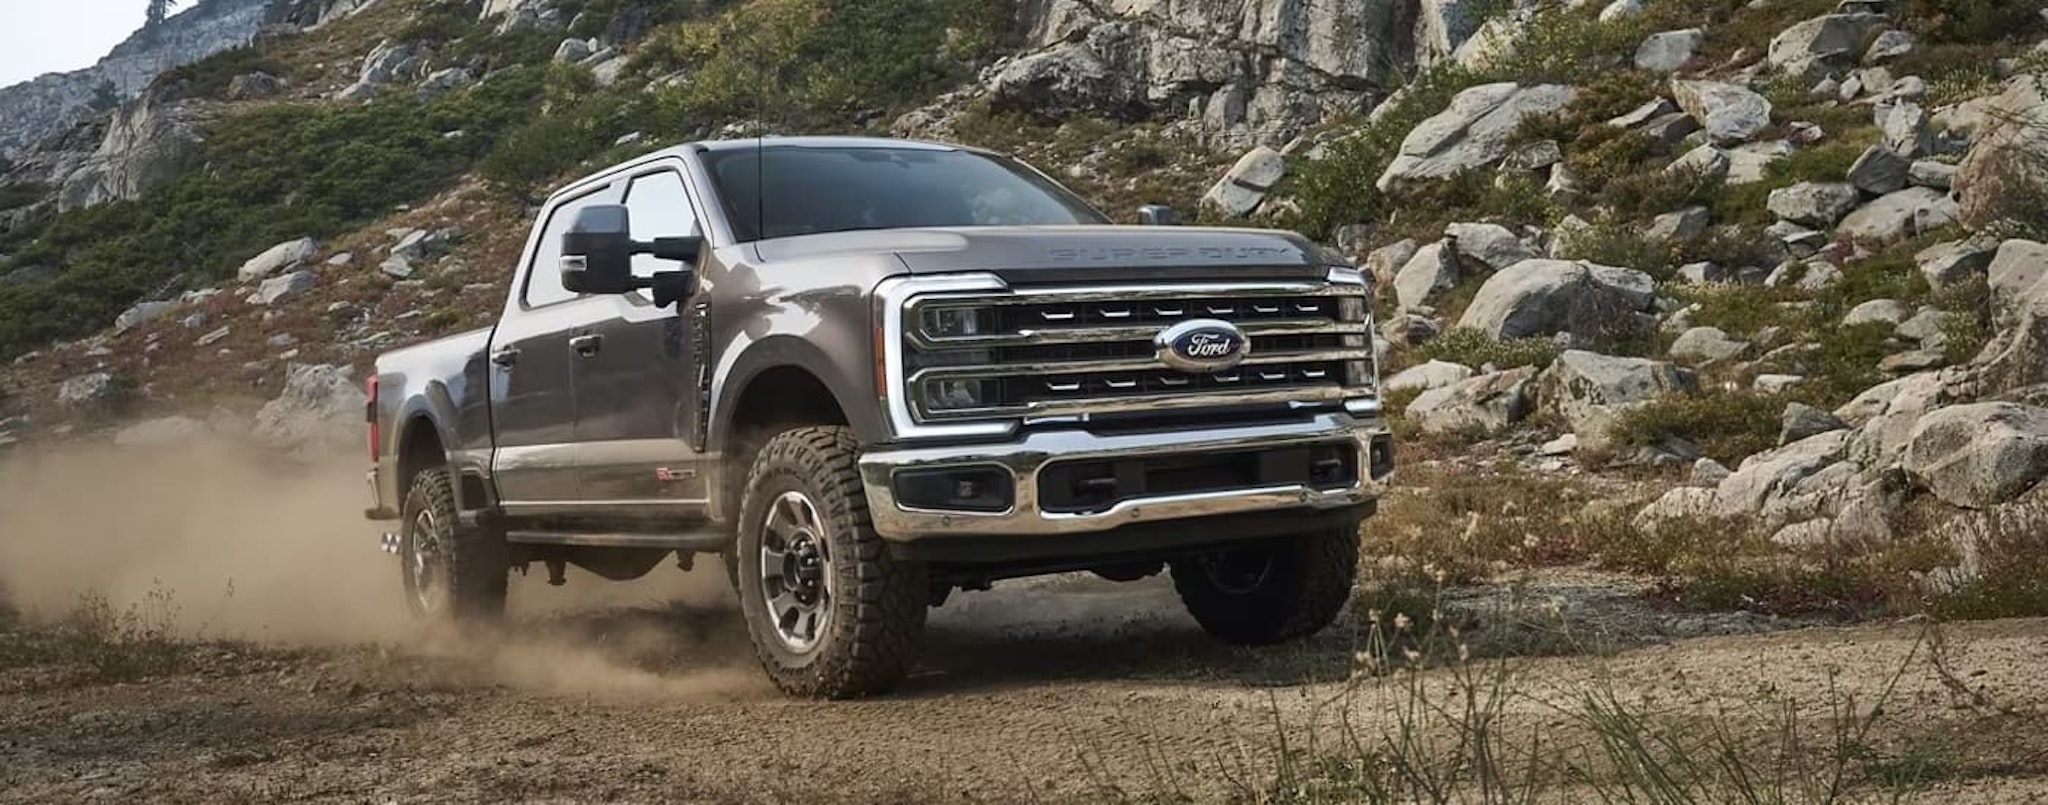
x=209 y=77
x=1973 y=21
x=1741 y=309
x=19 y=194
x=1727 y=425
x=1613 y=242
x=1643 y=194
x=1475 y=348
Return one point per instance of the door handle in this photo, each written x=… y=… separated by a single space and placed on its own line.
x=587 y=344
x=505 y=357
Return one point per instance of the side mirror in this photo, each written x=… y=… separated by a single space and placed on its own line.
x=1158 y=215
x=598 y=250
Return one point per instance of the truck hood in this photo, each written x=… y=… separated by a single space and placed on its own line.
x=1065 y=253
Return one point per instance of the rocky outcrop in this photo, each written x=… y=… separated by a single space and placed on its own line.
x=2009 y=158
x=1590 y=391
x=148 y=142
x=1252 y=71
x=321 y=408
x=1483 y=404
x=1979 y=455
x=1897 y=216
x=45 y=107
x=1546 y=297
x=1476 y=130
x=1812 y=48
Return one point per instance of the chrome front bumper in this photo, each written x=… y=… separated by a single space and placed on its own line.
x=1024 y=459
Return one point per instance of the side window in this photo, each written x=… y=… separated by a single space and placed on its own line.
x=544 y=277
x=660 y=209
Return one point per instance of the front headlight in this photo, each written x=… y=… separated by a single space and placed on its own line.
x=948 y=323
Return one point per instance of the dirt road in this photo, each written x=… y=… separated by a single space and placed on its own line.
x=1060 y=689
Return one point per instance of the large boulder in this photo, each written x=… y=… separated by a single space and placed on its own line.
x=1731 y=113
x=388 y=63
x=1434 y=374
x=86 y=390
x=142 y=313
x=1667 y=51
x=1880 y=170
x=1484 y=404
x=1704 y=345
x=1812 y=48
x=1765 y=477
x=1981 y=454
x=1907 y=127
x=284 y=286
x=1898 y=216
x=289 y=254
x=1490 y=245
x=321 y=407
x=2006 y=162
x=2015 y=271
x=1477 y=129
x=1590 y=391
x=1431 y=272
x=1244 y=186
x=1955 y=262
x=147 y=143
x=1813 y=203
x=1544 y=297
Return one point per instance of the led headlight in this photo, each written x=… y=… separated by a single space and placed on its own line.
x=957 y=322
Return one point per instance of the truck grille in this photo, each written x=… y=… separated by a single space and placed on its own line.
x=1064 y=353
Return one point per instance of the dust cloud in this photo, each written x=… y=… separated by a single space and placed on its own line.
x=225 y=540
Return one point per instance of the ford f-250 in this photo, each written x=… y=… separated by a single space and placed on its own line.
x=870 y=372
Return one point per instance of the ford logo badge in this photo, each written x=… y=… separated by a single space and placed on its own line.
x=1202 y=346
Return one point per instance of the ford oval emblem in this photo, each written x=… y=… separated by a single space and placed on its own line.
x=1202 y=346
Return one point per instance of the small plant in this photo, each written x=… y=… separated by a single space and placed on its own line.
x=1728 y=426
x=118 y=646
x=1475 y=348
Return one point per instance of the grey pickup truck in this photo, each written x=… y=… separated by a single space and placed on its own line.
x=870 y=372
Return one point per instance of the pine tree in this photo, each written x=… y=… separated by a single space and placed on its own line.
x=158 y=10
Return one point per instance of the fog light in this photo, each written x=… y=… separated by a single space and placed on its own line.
x=956 y=395
x=974 y=489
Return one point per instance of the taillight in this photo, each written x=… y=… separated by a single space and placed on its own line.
x=370 y=415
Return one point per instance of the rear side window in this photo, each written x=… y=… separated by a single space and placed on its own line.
x=544 y=277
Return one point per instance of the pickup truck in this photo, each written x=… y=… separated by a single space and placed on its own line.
x=870 y=372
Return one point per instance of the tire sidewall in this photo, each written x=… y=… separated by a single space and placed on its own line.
x=420 y=498
x=772 y=481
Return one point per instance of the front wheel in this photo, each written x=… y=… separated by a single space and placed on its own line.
x=831 y=614
x=1270 y=591
x=451 y=572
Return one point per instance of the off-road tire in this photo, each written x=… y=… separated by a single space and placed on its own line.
x=877 y=608
x=476 y=558
x=1305 y=585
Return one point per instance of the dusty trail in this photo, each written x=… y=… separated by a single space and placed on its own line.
x=1047 y=690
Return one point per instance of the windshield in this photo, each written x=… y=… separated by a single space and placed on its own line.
x=818 y=189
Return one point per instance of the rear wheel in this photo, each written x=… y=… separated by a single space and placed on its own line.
x=450 y=572
x=830 y=612
x=1273 y=590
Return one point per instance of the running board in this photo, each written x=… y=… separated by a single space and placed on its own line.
x=697 y=541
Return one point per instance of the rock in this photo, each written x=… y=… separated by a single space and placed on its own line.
x=88 y=389
x=1809 y=49
x=1906 y=128
x=1533 y=156
x=2015 y=273
x=283 y=287
x=1706 y=161
x=1801 y=421
x=1702 y=273
x=1928 y=327
x=1748 y=162
x=142 y=313
x=1244 y=186
x=2004 y=161
x=1911 y=88
x=320 y=407
x=396 y=266
x=1812 y=275
x=288 y=254
x=1545 y=297
x=1887 y=311
x=1487 y=403
x=1776 y=384
x=1929 y=173
x=1708 y=472
x=1408 y=330
x=1645 y=113
x=1888 y=45
x=1980 y=454
x=1775 y=473
x=1561 y=446
x=1802 y=132
x=1702 y=345
x=1489 y=245
x=387 y=63
x=1906 y=395
x=1683 y=225
x=1898 y=216
x=1730 y=113
x=1670 y=131
x=1912 y=361
x=1667 y=51
x=212 y=338
x=1684 y=505
x=1386 y=261
x=1796 y=236
x=1879 y=170
x=1432 y=375
x=1477 y=129
x=1957 y=261
x=1432 y=271
x=573 y=50
x=442 y=82
x=1590 y=390
x=609 y=71
x=1813 y=203
x=163 y=432
x=254 y=87
x=1620 y=10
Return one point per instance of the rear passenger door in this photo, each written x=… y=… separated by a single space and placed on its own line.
x=533 y=405
x=637 y=400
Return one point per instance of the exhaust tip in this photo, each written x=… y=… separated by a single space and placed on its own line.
x=389 y=542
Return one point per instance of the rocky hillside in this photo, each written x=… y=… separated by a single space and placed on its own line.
x=1762 y=273
x=35 y=110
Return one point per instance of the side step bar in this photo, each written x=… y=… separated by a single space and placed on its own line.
x=695 y=541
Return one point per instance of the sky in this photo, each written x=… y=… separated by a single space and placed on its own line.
x=50 y=36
